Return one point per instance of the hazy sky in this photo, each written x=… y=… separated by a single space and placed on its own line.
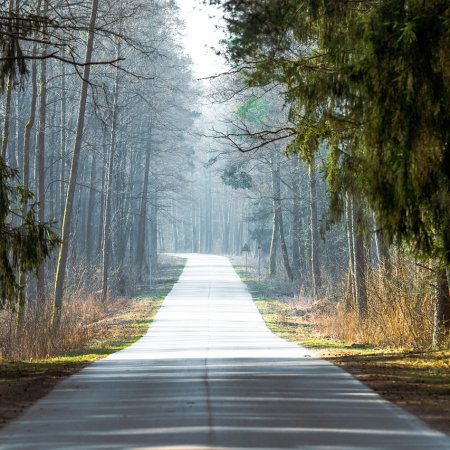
x=201 y=34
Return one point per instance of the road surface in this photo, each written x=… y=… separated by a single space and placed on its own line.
x=210 y=375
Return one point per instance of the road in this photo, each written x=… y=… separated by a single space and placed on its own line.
x=210 y=375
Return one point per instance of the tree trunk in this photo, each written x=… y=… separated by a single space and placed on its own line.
x=441 y=326
x=123 y=222
x=52 y=166
x=104 y=168
x=284 y=250
x=28 y=127
x=296 y=219
x=90 y=235
x=273 y=245
x=7 y=117
x=350 y=300
x=26 y=169
x=275 y=221
x=359 y=261
x=9 y=88
x=209 y=225
x=154 y=235
x=382 y=247
x=194 y=247
x=19 y=129
x=63 y=138
x=314 y=231
x=227 y=212
x=40 y=164
x=175 y=244
x=107 y=232
x=276 y=189
x=67 y=217
x=143 y=213
x=238 y=244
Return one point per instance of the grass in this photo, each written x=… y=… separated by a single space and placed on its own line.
x=418 y=381
x=24 y=382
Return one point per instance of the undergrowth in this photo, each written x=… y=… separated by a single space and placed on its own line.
x=400 y=308
x=86 y=323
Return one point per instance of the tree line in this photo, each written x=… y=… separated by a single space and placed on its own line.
x=331 y=162
x=98 y=101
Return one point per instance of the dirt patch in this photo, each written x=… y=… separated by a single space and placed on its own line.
x=20 y=389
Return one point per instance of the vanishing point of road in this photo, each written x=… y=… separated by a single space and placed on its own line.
x=210 y=375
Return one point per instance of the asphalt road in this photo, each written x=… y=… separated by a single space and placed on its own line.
x=210 y=375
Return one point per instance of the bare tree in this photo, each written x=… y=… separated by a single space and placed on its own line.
x=67 y=218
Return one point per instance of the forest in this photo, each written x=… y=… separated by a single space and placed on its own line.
x=321 y=155
x=347 y=108
x=96 y=108
x=313 y=161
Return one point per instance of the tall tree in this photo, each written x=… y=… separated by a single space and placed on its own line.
x=67 y=218
x=107 y=228
x=40 y=160
x=296 y=218
x=314 y=229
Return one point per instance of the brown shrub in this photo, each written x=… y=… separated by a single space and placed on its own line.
x=400 y=309
x=81 y=322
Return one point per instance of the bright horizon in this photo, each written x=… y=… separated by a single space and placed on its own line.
x=201 y=37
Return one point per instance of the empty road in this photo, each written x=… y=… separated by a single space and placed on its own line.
x=210 y=375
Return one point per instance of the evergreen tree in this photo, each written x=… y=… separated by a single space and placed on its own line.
x=24 y=241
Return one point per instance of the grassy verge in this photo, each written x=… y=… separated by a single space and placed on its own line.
x=418 y=381
x=123 y=323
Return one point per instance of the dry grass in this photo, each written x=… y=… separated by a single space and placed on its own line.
x=400 y=306
x=24 y=382
x=400 y=319
x=83 y=320
x=400 y=310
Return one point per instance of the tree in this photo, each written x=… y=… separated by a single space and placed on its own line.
x=63 y=113
x=375 y=78
x=24 y=22
x=314 y=229
x=107 y=231
x=67 y=218
x=23 y=248
x=404 y=76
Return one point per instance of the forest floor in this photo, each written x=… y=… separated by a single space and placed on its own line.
x=23 y=383
x=418 y=381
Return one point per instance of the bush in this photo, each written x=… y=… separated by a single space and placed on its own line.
x=83 y=319
x=400 y=309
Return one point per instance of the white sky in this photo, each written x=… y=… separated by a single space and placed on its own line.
x=200 y=35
